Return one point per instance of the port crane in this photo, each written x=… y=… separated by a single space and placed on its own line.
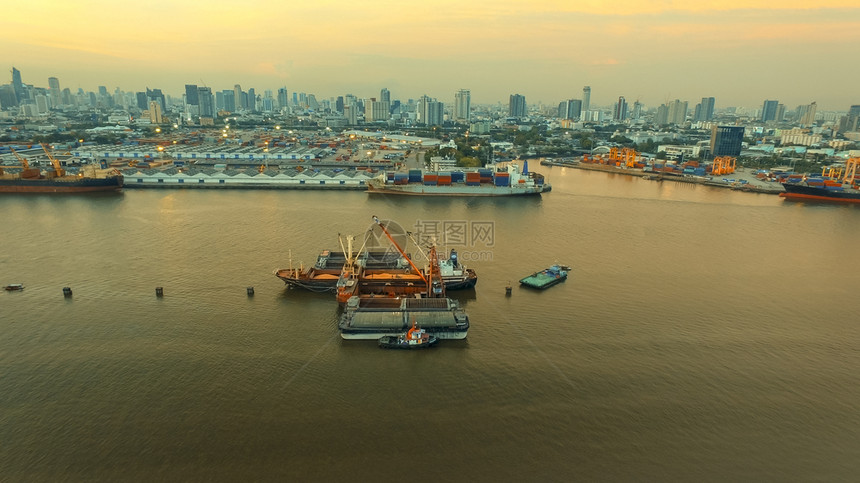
x=723 y=165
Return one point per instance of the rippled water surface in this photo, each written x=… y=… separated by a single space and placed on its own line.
x=703 y=334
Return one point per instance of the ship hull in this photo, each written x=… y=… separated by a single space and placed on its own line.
x=421 y=190
x=799 y=192
x=82 y=185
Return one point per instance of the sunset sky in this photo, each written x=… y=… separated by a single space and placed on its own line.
x=740 y=52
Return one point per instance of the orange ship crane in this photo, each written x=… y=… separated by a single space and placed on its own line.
x=21 y=159
x=54 y=161
x=402 y=253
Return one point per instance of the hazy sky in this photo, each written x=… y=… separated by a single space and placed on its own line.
x=740 y=52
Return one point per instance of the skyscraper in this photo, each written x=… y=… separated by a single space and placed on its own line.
x=282 y=97
x=677 y=112
x=808 y=117
x=517 y=106
x=586 y=98
x=385 y=95
x=768 y=110
x=18 y=86
x=462 y=106
x=191 y=95
x=229 y=99
x=570 y=109
x=620 y=111
x=705 y=110
x=206 y=103
x=54 y=91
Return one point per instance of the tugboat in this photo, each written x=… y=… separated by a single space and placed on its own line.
x=14 y=286
x=414 y=338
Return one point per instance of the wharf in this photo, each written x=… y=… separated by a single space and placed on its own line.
x=739 y=180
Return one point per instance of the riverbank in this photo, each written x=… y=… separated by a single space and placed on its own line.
x=740 y=180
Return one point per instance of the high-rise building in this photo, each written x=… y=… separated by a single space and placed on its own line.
x=142 y=101
x=155 y=116
x=206 y=103
x=338 y=104
x=153 y=95
x=350 y=111
x=252 y=100
x=282 y=98
x=677 y=112
x=726 y=140
x=230 y=100
x=376 y=111
x=586 y=98
x=517 y=106
x=705 y=110
x=18 y=86
x=7 y=96
x=55 y=92
x=463 y=106
x=191 y=95
x=570 y=109
x=769 y=110
x=620 y=111
x=808 y=117
x=385 y=95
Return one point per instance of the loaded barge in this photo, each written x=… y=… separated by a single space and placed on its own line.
x=374 y=318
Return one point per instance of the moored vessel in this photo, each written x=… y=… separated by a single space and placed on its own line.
x=414 y=338
x=25 y=179
x=837 y=189
x=547 y=277
x=494 y=180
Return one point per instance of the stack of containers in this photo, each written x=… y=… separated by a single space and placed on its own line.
x=457 y=176
x=473 y=178
x=486 y=175
x=444 y=178
x=430 y=179
x=401 y=178
x=503 y=179
x=414 y=175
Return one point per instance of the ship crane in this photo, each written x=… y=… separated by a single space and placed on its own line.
x=54 y=161
x=402 y=253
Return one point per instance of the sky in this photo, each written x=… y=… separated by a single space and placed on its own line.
x=739 y=51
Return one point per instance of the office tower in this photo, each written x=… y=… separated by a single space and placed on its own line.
x=462 y=106
x=54 y=91
x=156 y=95
x=637 y=110
x=252 y=100
x=662 y=115
x=435 y=113
x=726 y=140
x=385 y=95
x=67 y=97
x=517 y=106
x=18 y=86
x=142 y=101
x=769 y=110
x=677 y=112
x=7 y=96
x=421 y=110
x=295 y=98
x=705 y=110
x=808 y=117
x=206 y=103
x=229 y=100
x=620 y=111
x=282 y=97
x=570 y=109
x=311 y=102
x=191 y=96
x=350 y=111
x=155 y=116
x=376 y=111
x=338 y=104
x=586 y=98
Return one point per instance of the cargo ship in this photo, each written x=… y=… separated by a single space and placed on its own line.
x=494 y=180
x=547 y=277
x=25 y=179
x=828 y=188
x=811 y=190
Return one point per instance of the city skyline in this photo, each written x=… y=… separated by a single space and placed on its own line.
x=739 y=53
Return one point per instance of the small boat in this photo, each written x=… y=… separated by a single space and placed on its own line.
x=14 y=286
x=547 y=277
x=414 y=338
